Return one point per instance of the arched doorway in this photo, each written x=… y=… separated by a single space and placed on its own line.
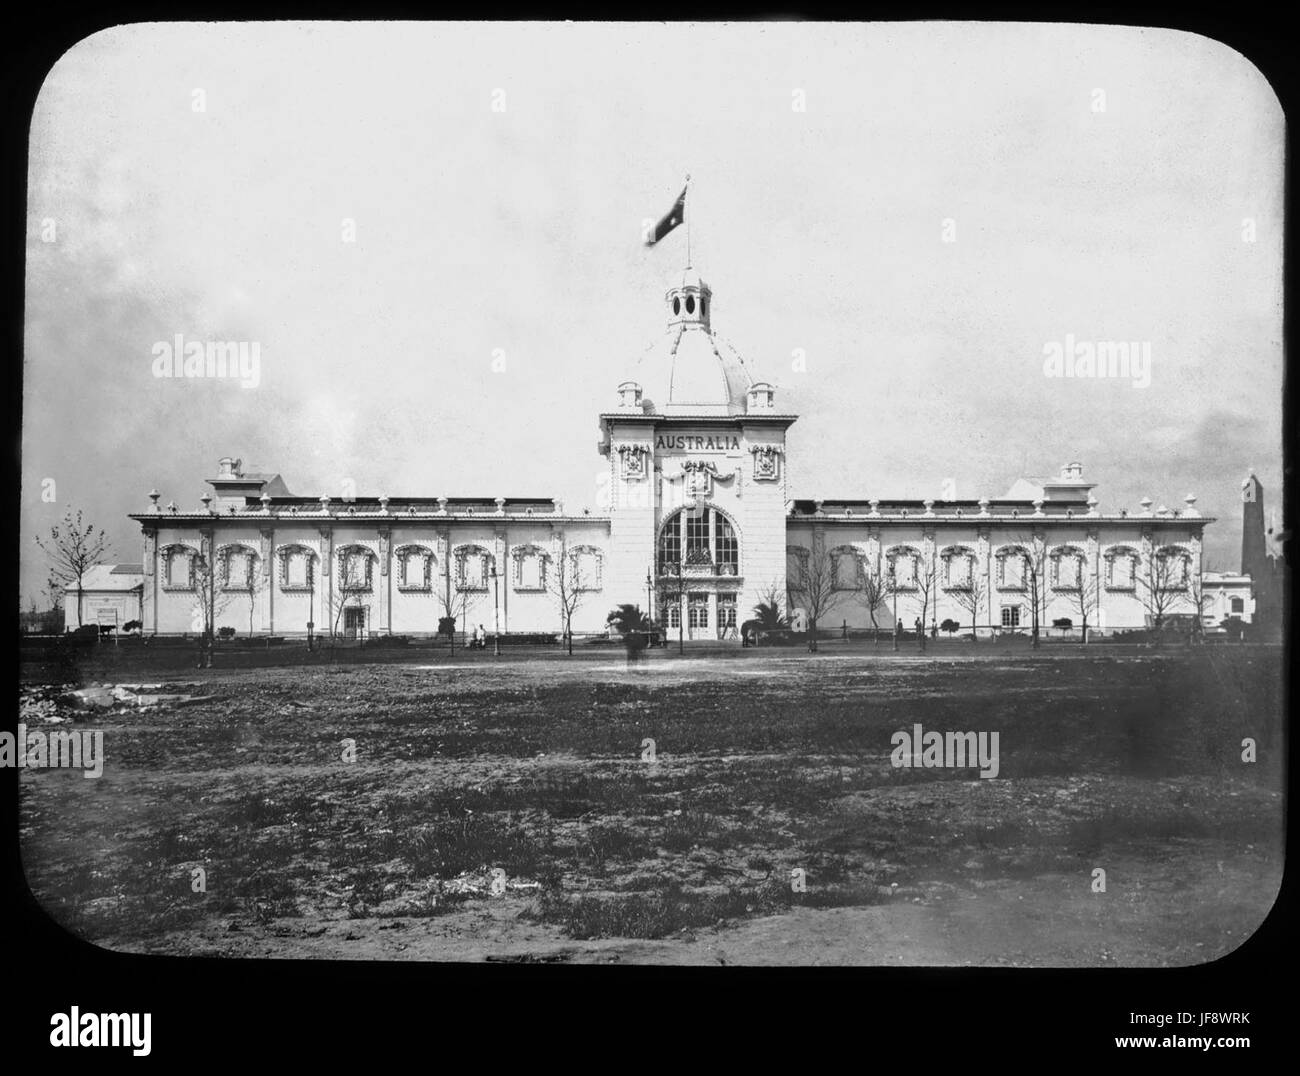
x=698 y=571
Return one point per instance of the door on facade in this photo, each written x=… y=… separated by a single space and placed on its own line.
x=697 y=616
x=354 y=622
x=727 y=616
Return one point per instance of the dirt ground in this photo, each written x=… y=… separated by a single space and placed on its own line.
x=477 y=808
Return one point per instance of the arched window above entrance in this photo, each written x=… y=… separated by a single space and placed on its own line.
x=698 y=541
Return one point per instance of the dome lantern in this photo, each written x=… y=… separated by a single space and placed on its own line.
x=689 y=301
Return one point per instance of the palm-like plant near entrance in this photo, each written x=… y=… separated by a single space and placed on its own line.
x=633 y=625
x=769 y=616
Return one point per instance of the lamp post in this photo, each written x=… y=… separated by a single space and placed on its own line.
x=649 y=608
x=679 y=597
x=894 y=595
x=496 y=610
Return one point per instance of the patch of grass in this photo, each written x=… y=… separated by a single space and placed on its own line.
x=451 y=846
x=671 y=909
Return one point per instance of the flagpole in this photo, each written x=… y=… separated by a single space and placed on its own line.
x=685 y=191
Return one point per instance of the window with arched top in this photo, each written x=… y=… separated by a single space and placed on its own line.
x=846 y=568
x=690 y=304
x=958 y=567
x=677 y=305
x=237 y=567
x=297 y=568
x=528 y=567
x=1171 y=568
x=1067 y=568
x=473 y=567
x=698 y=541
x=414 y=567
x=178 y=566
x=902 y=567
x=796 y=564
x=356 y=564
x=586 y=567
x=1121 y=567
x=1013 y=568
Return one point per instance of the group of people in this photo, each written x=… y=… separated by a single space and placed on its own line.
x=478 y=638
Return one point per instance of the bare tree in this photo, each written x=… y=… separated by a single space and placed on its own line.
x=926 y=592
x=354 y=575
x=73 y=548
x=1032 y=554
x=567 y=586
x=253 y=588
x=972 y=598
x=1161 y=585
x=1196 y=598
x=1083 y=598
x=55 y=593
x=454 y=602
x=208 y=600
x=873 y=591
x=813 y=581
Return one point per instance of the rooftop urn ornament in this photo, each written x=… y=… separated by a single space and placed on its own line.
x=929 y=507
x=1092 y=505
x=1190 y=501
x=265 y=498
x=153 y=497
x=1038 y=506
x=629 y=396
x=1146 y=505
x=442 y=506
x=207 y=502
x=984 y=506
x=383 y=504
x=501 y=506
x=325 y=502
x=875 y=506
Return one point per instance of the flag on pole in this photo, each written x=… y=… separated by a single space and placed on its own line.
x=671 y=219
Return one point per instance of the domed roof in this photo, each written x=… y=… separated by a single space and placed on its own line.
x=690 y=370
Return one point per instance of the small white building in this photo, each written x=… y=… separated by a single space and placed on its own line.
x=1226 y=594
x=110 y=594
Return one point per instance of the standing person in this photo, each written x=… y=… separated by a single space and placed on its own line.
x=482 y=637
x=934 y=629
x=473 y=639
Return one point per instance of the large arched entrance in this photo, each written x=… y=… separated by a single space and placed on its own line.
x=698 y=574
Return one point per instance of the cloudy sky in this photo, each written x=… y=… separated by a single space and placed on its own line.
x=896 y=221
